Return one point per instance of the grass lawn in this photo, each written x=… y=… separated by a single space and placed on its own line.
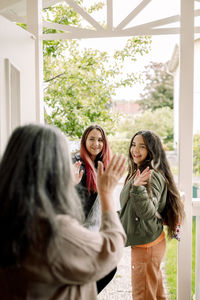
x=171 y=264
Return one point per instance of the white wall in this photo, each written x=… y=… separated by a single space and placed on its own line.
x=17 y=78
x=196 y=120
x=196 y=107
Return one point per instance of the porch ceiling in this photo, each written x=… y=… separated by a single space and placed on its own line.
x=18 y=7
x=160 y=24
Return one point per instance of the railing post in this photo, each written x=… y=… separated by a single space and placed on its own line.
x=184 y=279
x=197 y=262
x=196 y=212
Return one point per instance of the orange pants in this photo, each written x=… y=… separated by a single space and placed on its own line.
x=147 y=281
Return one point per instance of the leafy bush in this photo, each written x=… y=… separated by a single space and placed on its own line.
x=196 y=154
x=159 y=121
x=120 y=146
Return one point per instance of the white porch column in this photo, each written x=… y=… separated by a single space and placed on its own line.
x=34 y=25
x=186 y=145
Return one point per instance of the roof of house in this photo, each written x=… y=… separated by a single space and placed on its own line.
x=126 y=107
x=174 y=61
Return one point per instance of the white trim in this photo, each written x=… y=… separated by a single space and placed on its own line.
x=8 y=95
x=185 y=147
x=13 y=96
x=34 y=25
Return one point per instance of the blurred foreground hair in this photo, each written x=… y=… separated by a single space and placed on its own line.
x=36 y=184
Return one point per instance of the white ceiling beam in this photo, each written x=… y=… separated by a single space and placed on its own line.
x=66 y=28
x=85 y=15
x=94 y=34
x=133 y=14
x=160 y=22
x=14 y=18
x=49 y=3
x=110 y=15
x=5 y=4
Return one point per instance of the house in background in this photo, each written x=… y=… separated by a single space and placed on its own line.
x=126 y=107
x=174 y=69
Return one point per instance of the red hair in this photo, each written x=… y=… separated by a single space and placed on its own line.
x=103 y=156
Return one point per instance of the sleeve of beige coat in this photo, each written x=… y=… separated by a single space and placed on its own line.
x=79 y=256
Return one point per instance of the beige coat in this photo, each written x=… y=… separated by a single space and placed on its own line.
x=76 y=260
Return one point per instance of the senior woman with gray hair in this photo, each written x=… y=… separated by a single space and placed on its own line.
x=45 y=251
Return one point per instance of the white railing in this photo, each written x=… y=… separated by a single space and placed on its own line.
x=184 y=254
x=196 y=212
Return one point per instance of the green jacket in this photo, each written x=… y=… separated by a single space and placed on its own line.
x=138 y=212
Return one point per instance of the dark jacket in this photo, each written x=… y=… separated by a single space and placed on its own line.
x=138 y=212
x=90 y=201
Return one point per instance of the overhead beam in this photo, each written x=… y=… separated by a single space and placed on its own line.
x=109 y=15
x=84 y=14
x=133 y=14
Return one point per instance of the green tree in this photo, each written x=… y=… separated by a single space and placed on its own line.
x=196 y=154
x=159 y=121
x=80 y=83
x=158 y=91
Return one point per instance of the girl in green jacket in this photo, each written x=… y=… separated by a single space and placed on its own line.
x=149 y=198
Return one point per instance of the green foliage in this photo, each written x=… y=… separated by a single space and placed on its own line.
x=80 y=83
x=196 y=154
x=120 y=146
x=81 y=94
x=171 y=268
x=171 y=264
x=159 y=121
x=158 y=91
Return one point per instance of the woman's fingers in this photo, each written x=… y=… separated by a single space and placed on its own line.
x=121 y=167
x=108 y=179
x=100 y=168
x=117 y=162
x=113 y=162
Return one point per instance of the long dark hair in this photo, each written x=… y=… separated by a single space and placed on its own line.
x=157 y=160
x=36 y=185
x=103 y=156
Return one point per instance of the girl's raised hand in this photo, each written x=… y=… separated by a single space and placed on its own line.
x=141 y=178
x=77 y=173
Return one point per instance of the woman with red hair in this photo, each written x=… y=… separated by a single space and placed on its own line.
x=94 y=147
